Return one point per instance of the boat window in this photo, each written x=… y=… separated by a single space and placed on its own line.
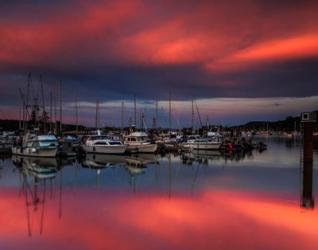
x=114 y=143
x=100 y=143
x=133 y=139
x=98 y=137
x=47 y=143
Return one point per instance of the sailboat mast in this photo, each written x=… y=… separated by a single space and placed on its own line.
x=199 y=116
x=76 y=114
x=61 y=114
x=20 y=120
x=51 y=110
x=97 y=115
x=55 y=107
x=170 y=112
x=44 y=116
x=135 y=111
x=22 y=126
x=27 y=104
x=192 y=115
x=156 y=117
x=122 y=115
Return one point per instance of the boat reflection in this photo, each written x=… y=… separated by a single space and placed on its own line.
x=205 y=157
x=135 y=164
x=39 y=168
x=100 y=161
x=37 y=175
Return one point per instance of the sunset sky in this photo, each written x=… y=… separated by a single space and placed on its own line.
x=242 y=60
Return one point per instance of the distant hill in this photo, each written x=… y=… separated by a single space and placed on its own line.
x=9 y=125
x=289 y=124
x=13 y=125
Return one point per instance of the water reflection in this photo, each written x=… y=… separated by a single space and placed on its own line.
x=206 y=157
x=307 y=199
x=36 y=176
x=156 y=202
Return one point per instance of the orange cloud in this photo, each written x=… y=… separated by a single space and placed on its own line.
x=289 y=48
x=209 y=34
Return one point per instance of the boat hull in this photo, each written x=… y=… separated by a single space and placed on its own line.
x=105 y=149
x=202 y=146
x=142 y=148
x=43 y=152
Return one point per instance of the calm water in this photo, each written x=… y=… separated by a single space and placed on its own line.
x=208 y=201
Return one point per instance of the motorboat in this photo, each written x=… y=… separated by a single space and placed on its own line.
x=138 y=142
x=101 y=144
x=37 y=146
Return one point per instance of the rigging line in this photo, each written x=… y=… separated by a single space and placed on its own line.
x=196 y=104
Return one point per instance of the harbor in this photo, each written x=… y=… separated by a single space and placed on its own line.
x=202 y=179
x=158 y=125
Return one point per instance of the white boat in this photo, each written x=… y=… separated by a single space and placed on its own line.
x=138 y=142
x=37 y=146
x=99 y=144
x=202 y=144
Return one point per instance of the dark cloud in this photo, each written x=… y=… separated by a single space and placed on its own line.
x=111 y=50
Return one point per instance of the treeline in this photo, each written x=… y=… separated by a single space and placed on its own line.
x=13 y=125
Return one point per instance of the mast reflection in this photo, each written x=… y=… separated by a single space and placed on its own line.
x=36 y=174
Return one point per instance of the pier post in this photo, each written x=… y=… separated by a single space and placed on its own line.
x=307 y=200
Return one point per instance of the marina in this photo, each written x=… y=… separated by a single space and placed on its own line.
x=157 y=185
x=158 y=125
